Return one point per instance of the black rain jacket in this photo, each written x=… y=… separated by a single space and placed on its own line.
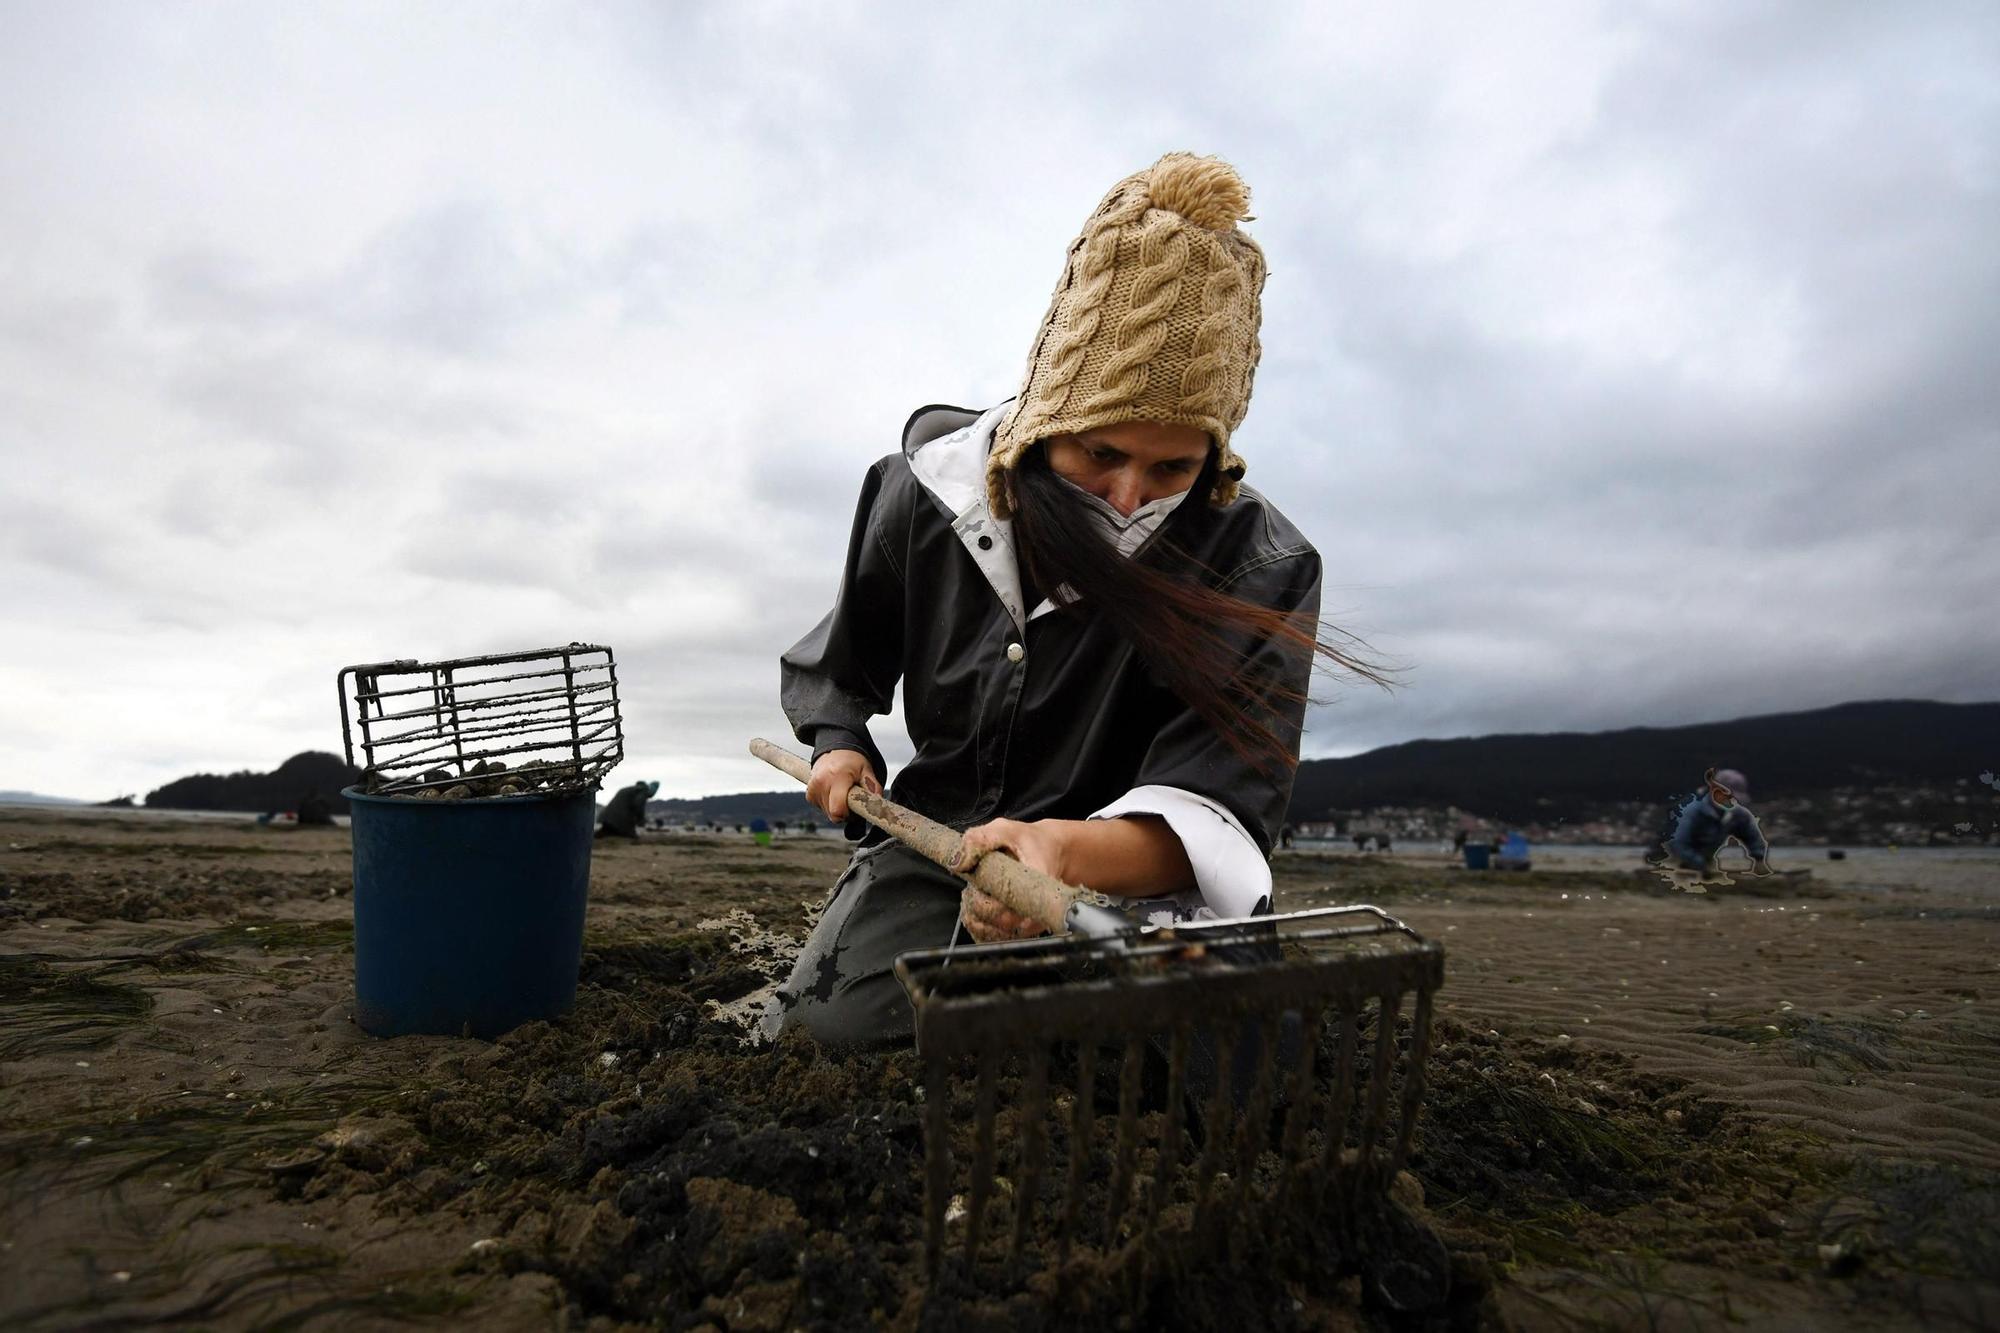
x=1054 y=718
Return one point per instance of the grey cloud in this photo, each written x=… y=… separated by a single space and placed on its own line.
x=1627 y=366
x=61 y=538
x=455 y=279
x=507 y=556
x=329 y=418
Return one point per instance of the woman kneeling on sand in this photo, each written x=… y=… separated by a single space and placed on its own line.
x=1104 y=640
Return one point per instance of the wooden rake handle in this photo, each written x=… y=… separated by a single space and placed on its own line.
x=1022 y=888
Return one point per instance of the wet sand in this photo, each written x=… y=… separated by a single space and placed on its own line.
x=1773 y=1104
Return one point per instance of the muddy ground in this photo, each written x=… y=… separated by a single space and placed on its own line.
x=1764 y=1109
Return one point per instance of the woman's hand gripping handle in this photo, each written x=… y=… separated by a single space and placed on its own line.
x=1024 y=891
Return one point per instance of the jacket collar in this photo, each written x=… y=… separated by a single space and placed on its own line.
x=947 y=447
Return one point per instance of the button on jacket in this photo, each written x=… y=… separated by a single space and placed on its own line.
x=1036 y=713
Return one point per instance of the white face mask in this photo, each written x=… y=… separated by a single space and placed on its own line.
x=1127 y=531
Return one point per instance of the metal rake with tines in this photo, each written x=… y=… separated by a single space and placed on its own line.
x=1265 y=1069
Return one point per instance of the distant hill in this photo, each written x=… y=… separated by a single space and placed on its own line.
x=35 y=798
x=311 y=771
x=737 y=808
x=1516 y=777
x=1513 y=777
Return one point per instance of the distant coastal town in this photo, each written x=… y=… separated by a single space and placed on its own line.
x=1961 y=814
x=1965 y=813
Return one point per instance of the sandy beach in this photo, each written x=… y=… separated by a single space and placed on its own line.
x=1775 y=1105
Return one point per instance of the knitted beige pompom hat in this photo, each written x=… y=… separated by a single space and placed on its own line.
x=1155 y=320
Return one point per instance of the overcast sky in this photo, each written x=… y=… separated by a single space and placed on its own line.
x=1629 y=364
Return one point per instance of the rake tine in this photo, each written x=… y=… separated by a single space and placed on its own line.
x=1170 y=1138
x=1034 y=1143
x=1298 y=1113
x=1081 y=1115
x=1343 y=1096
x=937 y=1159
x=1378 y=1079
x=1128 y=1135
x=1413 y=1080
x=1213 y=1132
x=982 y=1161
x=1257 y=1122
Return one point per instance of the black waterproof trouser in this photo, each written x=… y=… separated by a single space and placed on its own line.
x=843 y=989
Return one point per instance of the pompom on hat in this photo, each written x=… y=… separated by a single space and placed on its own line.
x=1155 y=319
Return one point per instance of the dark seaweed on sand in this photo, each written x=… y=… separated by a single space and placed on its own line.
x=1847 y=1044
x=1500 y=1131
x=44 y=1009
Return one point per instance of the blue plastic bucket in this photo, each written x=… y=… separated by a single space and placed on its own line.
x=1477 y=855
x=468 y=915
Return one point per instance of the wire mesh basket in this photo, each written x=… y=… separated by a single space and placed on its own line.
x=507 y=724
x=1292 y=1047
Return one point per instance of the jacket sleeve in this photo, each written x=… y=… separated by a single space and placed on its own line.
x=845 y=671
x=1743 y=825
x=1232 y=875
x=1189 y=755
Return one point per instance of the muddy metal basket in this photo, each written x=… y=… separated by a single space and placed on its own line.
x=506 y=724
x=1257 y=1069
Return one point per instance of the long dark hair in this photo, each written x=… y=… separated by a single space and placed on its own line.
x=1195 y=639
